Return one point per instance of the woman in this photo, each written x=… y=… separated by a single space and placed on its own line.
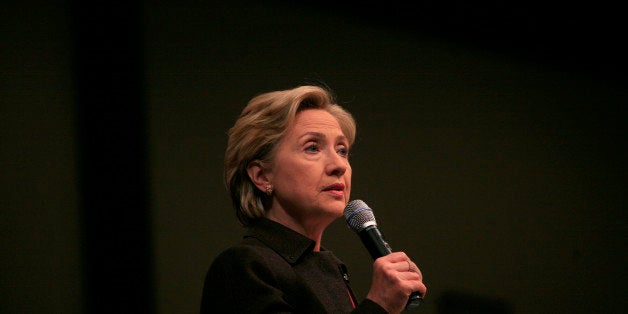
x=288 y=174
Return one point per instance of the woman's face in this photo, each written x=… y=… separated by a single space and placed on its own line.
x=311 y=174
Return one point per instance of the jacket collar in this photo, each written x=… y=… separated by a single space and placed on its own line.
x=288 y=243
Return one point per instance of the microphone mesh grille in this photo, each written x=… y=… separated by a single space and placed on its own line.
x=357 y=214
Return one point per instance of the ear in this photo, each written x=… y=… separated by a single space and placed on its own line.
x=259 y=175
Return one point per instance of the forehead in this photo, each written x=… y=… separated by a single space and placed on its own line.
x=315 y=119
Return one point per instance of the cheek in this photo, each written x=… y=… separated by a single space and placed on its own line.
x=295 y=180
x=348 y=174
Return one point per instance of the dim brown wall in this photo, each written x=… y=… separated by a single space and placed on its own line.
x=503 y=178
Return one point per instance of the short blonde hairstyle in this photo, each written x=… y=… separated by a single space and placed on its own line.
x=256 y=133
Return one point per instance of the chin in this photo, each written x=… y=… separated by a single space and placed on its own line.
x=334 y=208
x=337 y=211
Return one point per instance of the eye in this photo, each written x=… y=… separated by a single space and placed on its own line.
x=312 y=147
x=342 y=151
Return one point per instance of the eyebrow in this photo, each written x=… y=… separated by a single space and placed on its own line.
x=321 y=135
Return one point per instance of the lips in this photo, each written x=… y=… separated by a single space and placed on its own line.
x=335 y=187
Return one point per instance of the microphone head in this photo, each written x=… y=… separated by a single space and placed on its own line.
x=359 y=215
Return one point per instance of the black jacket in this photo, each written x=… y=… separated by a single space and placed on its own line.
x=274 y=270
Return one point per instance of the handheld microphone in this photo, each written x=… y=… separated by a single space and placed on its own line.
x=361 y=219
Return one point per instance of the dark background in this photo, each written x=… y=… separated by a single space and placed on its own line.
x=490 y=145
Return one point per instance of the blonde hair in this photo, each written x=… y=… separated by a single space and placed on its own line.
x=258 y=130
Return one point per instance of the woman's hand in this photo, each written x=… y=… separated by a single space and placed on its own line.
x=395 y=277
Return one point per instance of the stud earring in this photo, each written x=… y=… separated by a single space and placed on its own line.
x=269 y=189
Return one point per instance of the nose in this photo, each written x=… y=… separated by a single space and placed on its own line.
x=337 y=165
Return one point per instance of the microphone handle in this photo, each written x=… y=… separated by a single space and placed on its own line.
x=378 y=247
x=374 y=241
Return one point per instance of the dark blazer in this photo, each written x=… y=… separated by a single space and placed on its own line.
x=274 y=270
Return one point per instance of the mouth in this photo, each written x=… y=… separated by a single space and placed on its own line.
x=337 y=189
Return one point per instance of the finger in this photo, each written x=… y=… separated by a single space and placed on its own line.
x=402 y=266
x=414 y=283
x=422 y=289
x=413 y=267
x=396 y=257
